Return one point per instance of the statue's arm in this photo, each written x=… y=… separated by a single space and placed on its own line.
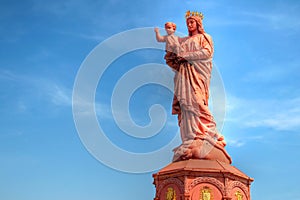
x=203 y=53
x=196 y=55
x=159 y=38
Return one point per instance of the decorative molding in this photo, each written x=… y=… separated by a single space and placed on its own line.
x=240 y=185
x=206 y=193
x=171 y=194
x=210 y=180
x=168 y=181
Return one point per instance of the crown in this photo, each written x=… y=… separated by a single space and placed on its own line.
x=190 y=14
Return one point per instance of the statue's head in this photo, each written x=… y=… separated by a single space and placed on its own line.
x=170 y=27
x=194 y=17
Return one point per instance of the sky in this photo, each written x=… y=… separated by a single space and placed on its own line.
x=45 y=45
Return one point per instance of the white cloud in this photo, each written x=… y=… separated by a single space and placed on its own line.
x=273 y=70
x=36 y=87
x=235 y=142
x=85 y=34
x=277 y=114
x=52 y=91
x=280 y=17
x=7 y=75
x=59 y=95
x=285 y=19
x=103 y=111
x=242 y=140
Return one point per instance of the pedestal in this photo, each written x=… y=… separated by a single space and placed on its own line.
x=197 y=179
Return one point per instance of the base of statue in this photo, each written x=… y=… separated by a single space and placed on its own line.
x=201 y=148
x=197 y=179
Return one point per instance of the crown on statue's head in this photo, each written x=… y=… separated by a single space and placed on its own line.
x=190 y=14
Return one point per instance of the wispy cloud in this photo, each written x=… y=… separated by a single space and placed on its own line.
x=85 y=107
x=277 y=114
x=235 y=142
x=35 y=88
x=280 y=17
x=97 y=17
x=271 y=71
x=241 y=141
x=59 y=95
x=285 y=19
x=84 y=34
x=6 y=75
x=52 y=91
x=103 y=111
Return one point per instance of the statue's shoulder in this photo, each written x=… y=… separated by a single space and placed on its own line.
x=183 y=39
x=207 y=36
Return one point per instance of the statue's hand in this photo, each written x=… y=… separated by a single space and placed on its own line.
x=181 y=59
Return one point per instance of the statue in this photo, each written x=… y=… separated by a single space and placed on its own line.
x=171 y=40
x=191 y=59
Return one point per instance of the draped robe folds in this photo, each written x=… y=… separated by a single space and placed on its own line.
x=191 y=92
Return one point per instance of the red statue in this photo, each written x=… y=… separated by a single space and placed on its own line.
x=201 y=168
x=191 y=60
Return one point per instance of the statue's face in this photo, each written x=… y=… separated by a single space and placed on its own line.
x=169 y=29
x=191 y=25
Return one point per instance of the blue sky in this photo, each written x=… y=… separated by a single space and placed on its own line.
x=44 y=43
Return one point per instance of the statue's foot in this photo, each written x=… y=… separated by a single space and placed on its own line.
x=221 y=143
x=202 y=149
x=188 y=154
x=220 y=137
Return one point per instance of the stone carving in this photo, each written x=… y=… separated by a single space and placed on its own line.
x=191 y=59
x=206 y=194
x=201 y=167
x=189 y=177
x=171 y=40
x=239 y=195
x=171 y=194
x=240 y=185
x=209 y=180
x=168 y=181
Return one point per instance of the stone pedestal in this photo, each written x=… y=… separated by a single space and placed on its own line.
x=197 y=179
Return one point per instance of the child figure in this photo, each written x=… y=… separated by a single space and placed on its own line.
x=171 y=40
